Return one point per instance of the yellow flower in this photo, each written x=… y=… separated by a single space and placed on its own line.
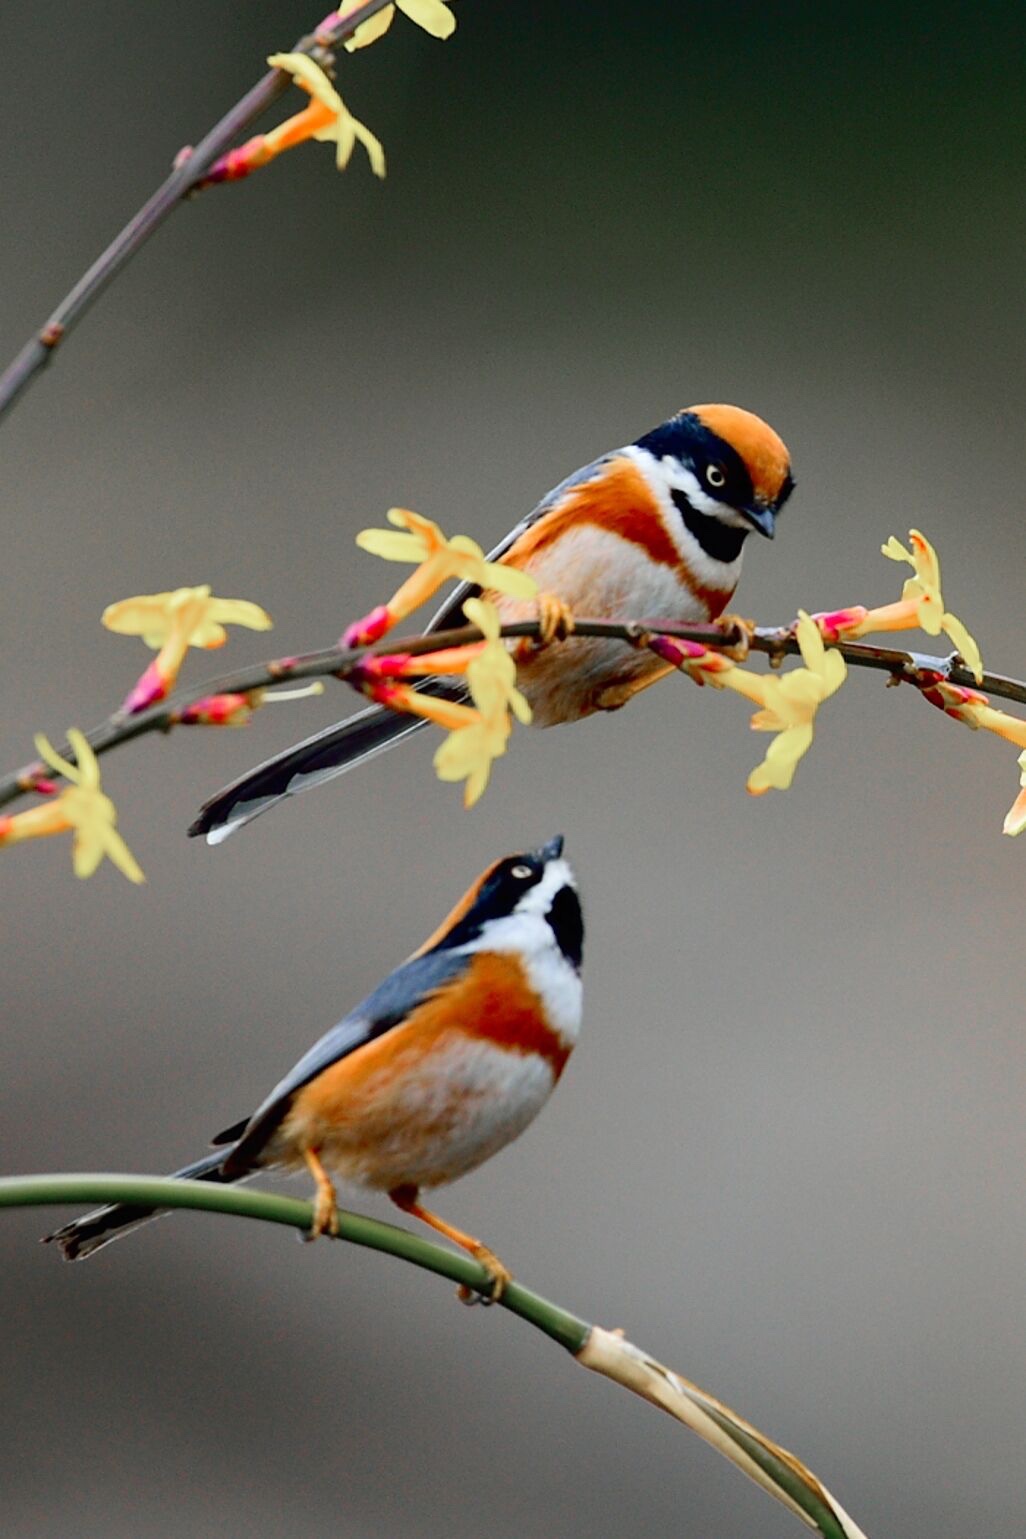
x=191 y=612
x=788 y=702
x=469 y=750
x=1015 y=822
x=433 y=15
x=438 y=560
x=82 y=809
x=921 y=604
x=326 y=119
x=492 y=674
x=174 y=622
x=975 y=711
x=479 y=732
x=924 y=591
x=789 y=706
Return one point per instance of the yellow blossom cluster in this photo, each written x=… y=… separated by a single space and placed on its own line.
x=921 y=605
x=478 y=732
x=468 y=751
x=82 y=810
x=788 y=702
x=326 y=118
x=172 y=623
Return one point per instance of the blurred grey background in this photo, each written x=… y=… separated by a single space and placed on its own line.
x=788 y=1156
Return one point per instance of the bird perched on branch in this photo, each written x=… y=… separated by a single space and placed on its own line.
x=445 y=1063
x=652 y=530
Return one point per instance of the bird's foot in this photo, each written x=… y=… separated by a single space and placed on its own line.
x=499 y=1278
x=743 y=631
x=555 y=617
x=555 y=623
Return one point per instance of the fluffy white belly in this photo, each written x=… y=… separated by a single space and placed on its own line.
x=604 y=577
x=433 y=1123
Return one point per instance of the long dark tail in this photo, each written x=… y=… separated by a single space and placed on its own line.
x=90 y=1233
x=310 y=763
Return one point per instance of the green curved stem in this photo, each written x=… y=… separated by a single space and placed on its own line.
x=605 y=1352
x=244 y=1202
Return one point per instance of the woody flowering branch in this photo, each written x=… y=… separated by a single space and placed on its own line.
x=186 y=705
x=309 y=64
x=479 y=726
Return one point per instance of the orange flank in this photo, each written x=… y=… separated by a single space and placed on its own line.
x=619 y=500
x=492 y=1003
x=714 y=599
x=508 y=1011
x=763 y=451
x=401 y=1108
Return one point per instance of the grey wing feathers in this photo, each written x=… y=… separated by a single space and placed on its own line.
x=390 y=1003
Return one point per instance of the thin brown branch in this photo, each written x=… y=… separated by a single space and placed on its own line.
x=728 y=635
x=189 y=169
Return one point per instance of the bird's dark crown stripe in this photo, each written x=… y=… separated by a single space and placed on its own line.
x=720 y=541
x=496 y=897
x=441 y=938
x=567 y=924
x=687 y=439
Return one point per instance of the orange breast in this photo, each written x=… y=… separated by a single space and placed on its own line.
x=416 y=1105
x=619 y=499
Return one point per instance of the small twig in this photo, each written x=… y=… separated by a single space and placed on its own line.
x=906 y=667
x=189 y=169
x=914 y=668
x=607 y=1352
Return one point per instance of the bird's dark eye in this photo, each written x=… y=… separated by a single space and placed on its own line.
x=521 y=873
x=716 y=476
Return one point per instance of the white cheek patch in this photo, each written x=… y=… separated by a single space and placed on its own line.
x=538 y=899
x=683 y=480
x=669 y=475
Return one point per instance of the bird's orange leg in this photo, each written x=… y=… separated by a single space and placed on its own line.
x=405 y=1197
x=617 y=695
x=325 y=1219
x=555 y=617
x=556 y=621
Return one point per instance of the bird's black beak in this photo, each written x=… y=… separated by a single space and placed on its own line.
x=551 y=851
x=762 y=518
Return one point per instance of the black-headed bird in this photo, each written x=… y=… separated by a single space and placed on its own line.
x=446 y=1062
x=652 y=530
